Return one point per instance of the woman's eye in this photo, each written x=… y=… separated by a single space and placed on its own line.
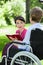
x=17 y=23
x=21 y=22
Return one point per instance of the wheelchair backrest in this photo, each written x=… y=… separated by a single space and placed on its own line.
x=36 y=41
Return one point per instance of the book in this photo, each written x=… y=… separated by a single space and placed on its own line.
x=15 y=36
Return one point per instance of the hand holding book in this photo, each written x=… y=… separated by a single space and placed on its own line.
x=14 y=37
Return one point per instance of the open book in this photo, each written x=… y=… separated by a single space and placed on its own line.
x=15 y=36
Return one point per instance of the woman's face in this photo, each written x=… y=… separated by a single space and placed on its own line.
x=20 y=24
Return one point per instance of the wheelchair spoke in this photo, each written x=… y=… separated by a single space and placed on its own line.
x=25 y=58
x=21 y=61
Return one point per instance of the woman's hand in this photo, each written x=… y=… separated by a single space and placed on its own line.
x=13 y=38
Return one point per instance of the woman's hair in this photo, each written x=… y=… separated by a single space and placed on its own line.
x=19 y=18
x=36 y=14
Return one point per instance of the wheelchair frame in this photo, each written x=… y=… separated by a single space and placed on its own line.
x=19 y=54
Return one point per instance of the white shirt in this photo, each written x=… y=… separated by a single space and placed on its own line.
x=34 y=26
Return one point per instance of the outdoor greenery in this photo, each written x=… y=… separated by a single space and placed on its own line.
x=9 y=9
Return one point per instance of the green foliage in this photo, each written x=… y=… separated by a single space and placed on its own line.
x=3 y=40
x=36 y=3
x=17 y=8
x=11 y=9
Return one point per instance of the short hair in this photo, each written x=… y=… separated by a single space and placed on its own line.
x=36 y=14
x=19 y=18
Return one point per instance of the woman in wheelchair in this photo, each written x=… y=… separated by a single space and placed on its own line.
x=35 y=18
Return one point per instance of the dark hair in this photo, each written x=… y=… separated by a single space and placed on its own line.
x=19 y=18
x=36 y=14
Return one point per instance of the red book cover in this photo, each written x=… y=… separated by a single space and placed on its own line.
x=14 y=36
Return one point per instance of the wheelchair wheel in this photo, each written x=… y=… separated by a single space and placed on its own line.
x=25 y=58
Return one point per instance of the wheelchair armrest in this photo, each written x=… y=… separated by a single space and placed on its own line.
x=19 y=42
x=23 y=43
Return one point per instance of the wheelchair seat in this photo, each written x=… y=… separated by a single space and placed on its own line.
x=36 y=41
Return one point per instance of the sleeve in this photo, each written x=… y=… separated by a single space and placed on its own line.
x=27 y=36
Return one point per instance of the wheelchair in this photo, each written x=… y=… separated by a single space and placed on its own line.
x=21 y=56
